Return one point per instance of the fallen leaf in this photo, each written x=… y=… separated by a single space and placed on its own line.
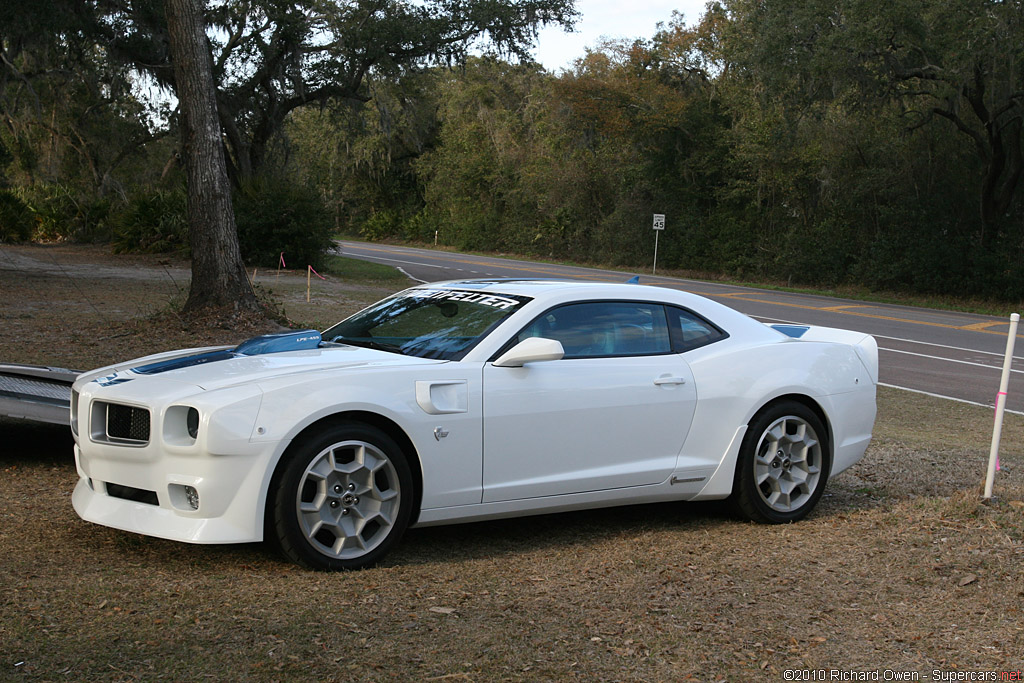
x=443 y=610
x=970 y=578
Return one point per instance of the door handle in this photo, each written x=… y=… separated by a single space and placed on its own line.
x=669 y=380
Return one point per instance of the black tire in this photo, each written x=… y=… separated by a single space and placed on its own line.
x=783 y=464
x=342 y=499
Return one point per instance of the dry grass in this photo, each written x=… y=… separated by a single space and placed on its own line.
x=80 y=307
x=901 y=567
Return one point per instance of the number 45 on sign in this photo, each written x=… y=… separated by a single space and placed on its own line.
x=659 y=225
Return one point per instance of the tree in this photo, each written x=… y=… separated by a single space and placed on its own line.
x=575 y=165
x=963 y=61
x=268 y=58
x=67 y=113
x=218 y=274
x=272 y=57
x=957 y=62
x=360 y=158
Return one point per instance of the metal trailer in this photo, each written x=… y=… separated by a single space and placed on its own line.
x=36 y=392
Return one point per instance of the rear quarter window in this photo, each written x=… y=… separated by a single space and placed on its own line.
x=690 y=331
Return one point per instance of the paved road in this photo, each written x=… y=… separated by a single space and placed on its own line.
x=952 y=355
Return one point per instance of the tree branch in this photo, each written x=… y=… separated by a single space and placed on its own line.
x=979 y=141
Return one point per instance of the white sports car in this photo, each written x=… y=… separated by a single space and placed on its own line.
x=468 y=400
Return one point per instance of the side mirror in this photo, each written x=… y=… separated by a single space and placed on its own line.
x=532 y=350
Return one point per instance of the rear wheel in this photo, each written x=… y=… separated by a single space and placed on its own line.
x=783 y=464
x=344 y=498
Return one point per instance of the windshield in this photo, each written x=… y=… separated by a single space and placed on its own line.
x=430 y=323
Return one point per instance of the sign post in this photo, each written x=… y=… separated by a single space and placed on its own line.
x=659 y=225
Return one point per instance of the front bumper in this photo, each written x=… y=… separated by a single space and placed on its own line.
x=207 y=488
x=229 y=488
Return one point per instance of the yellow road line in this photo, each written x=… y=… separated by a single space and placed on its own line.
x=980 y=327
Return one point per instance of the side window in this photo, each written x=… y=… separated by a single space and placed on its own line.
x=607 y=328
x=690 y=331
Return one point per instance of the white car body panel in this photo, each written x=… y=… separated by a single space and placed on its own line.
x=600 y=409
x=549 y=436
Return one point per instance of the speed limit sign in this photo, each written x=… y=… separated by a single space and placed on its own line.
x=659 y=224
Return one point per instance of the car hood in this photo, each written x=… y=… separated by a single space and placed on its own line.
x=218 y=367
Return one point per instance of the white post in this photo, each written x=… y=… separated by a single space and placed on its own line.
x=997 y=429
x=654 y=269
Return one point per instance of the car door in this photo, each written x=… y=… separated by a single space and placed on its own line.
x=612 y=413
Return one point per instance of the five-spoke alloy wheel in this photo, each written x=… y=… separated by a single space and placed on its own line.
x=344 y=497
x=783 y=464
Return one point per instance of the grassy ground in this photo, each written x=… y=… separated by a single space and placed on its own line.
x=900 y=567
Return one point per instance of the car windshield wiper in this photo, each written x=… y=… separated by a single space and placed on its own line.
x=369 y=344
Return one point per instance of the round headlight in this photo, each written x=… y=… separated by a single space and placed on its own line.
x=192 y=422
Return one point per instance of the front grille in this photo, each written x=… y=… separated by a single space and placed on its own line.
x=127 y=423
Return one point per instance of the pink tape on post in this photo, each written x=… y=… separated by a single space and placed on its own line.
x=316 y=273
x=282 y=260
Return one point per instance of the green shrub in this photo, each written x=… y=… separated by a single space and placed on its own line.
x=380 y=225
x=152 y=221
x=16 y=221
x=396 y=224
x=421 y=226
x=61 y=214
x=274 y=217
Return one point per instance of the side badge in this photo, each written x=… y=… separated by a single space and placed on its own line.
x=440 y=433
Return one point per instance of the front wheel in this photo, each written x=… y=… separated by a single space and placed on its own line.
x=783 y=464
x=344 y=498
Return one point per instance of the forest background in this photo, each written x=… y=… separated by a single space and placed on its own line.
x=803 y=142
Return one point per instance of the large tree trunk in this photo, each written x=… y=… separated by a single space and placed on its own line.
x=218 y=274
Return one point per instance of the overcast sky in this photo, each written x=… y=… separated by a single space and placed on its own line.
x=556 y=49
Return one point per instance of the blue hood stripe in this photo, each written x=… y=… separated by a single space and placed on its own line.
x=257 y=346
x=186 y=362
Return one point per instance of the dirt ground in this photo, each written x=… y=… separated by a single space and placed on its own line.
x=82 y=307
x=900 y=572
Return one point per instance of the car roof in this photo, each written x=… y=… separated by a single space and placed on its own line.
x=557 y=289
x=550 y=291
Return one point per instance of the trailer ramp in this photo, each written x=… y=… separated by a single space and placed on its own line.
x=36 y=392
